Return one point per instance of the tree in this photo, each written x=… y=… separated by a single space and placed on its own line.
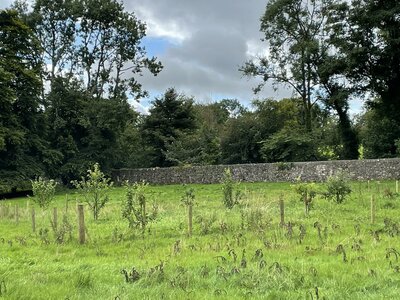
x=201 y=147
x=94 y=189
x=55 y=26
x=240 y=140
x=292 y=29
x=109 y=47
x=23 y=150
x=290 y=144
x=368 y=37
x=95 y=55
x=169 y=116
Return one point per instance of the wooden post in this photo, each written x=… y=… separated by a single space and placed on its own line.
x=372 y=209
x=16 y=216
x=81 y=223
x=397 y=186
x=55 y=219
x=66 y=204
x=33 y=219
x=190 y=218
x=282 y=210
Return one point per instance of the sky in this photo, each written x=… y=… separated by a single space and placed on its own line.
x=201 y=45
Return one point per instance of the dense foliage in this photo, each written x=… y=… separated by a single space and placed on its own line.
x=68 y=68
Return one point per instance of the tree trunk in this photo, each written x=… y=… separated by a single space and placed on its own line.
x=347 y=134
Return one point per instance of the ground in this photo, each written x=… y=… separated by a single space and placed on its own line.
x=244 y=253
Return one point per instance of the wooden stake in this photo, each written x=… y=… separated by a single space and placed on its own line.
x=33 y=219
x=55 y=219
x=16 y=214
x=190 y=219
x=397 y=186
x=282 y=210
x=66 y=204
x=81 y=224
x=372 y=209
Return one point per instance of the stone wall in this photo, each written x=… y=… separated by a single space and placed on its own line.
x=273 y=172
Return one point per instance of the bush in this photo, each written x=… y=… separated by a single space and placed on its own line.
x=307 y=192
x=43 y=191
x=338 y=187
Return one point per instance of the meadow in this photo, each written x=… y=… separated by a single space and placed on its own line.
x=336 y=252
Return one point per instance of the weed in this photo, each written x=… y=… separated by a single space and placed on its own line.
x=340 y=250
x=44 y=235
x=131 y=276
x=206 y=223
x=3 y=288
x=65 y=230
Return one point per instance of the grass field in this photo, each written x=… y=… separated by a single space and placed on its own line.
x=242 y=253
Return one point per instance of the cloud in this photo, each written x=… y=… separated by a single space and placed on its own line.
x=208 y=42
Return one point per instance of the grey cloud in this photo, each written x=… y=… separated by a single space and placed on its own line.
x=205 y=64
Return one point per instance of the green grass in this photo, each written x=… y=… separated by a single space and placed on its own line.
x=242 y=254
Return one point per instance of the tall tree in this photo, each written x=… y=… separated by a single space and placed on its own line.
x=169 y=116
x=368 y=36
x=292 y=29
x=22 y=147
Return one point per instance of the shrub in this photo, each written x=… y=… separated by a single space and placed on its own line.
x=307 y=192
x=230 y=188
x=338 y=187
x=94 y=189
x=43 y=191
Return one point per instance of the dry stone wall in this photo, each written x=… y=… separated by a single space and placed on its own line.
x=375 y=169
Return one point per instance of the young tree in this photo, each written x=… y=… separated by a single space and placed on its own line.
x=135 y=206
x=94 y=189
x=188 y=199
x=43 y=191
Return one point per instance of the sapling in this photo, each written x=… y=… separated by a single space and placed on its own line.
x=307 y=192
x=231 y=193
x=134 y=209
x=43 y=191
x=338 y=187
x=94 y=189
x=188 y=199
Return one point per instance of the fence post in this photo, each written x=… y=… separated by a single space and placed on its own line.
x=16 y=213
x=81 y=223
x=55 y=219
x=190 y=219
x=282 y=210
x=397 y=186
x=33 y=219
x=372 y=209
